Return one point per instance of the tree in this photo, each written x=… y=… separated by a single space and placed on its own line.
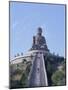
x=58 y=78
x=23 y=80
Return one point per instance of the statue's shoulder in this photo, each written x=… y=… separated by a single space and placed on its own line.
x=43 y=37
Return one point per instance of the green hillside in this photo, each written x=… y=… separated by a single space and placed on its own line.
x=55 y=67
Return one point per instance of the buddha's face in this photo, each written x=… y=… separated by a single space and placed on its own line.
x=39 y=31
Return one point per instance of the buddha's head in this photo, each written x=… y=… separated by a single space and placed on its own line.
x=39 y=31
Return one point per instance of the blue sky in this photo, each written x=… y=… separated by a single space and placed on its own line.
x=25 y=18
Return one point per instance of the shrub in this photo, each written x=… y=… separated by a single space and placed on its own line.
x=58 y=78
